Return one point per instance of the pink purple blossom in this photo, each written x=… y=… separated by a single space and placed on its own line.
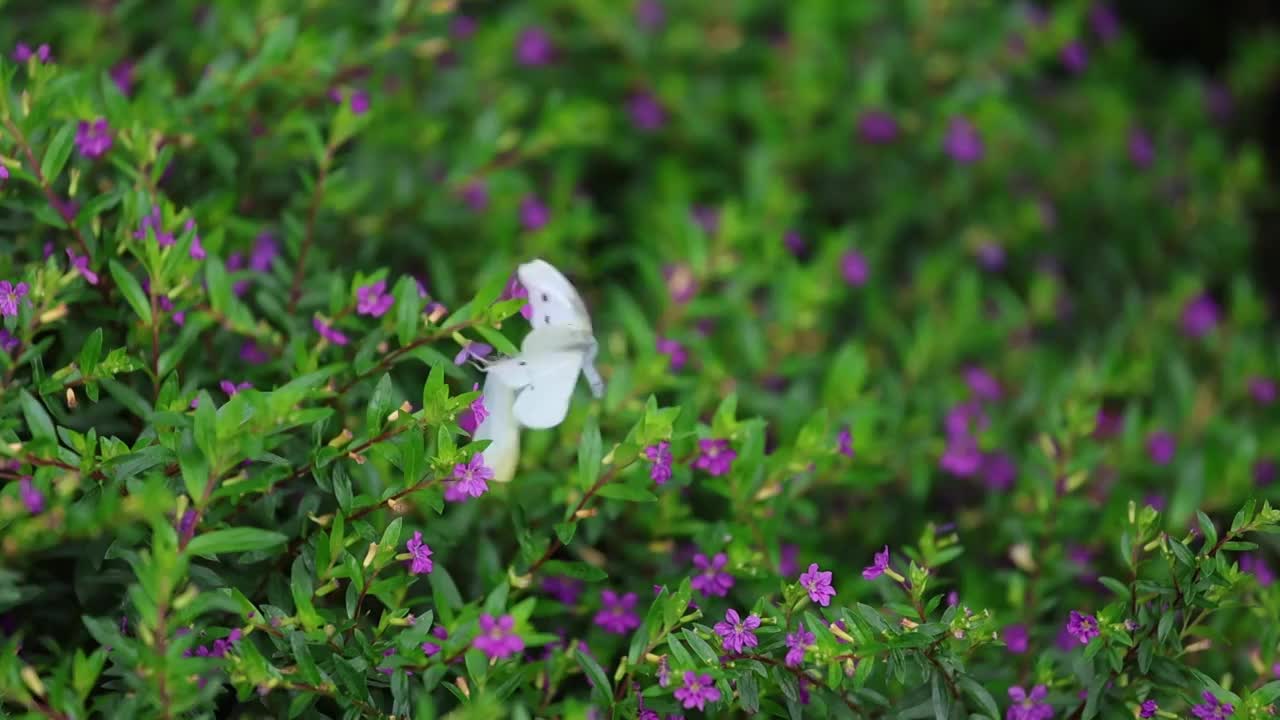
x=1016 y=639
x=646 y=112
x=675 y=352
x=231 y=388
x=1263 y=390
x=11 y=297
x=1212 y=708
x=22 y=52
x=878 y=566
x=564 y=589
x=470 y=480
x=1148 y=709
x=711 y=578
x=797 y=642
x=497 y=638
x=1161 y=446
x=618 y=613
x=818 y=584
x=697 y=691
x=844 y=442
x=328 y=332
x=1200 y=316
x=877 y=127
x=1029 y=705
x=373 y=299
x=738 y=633
x=420 y=562
x=475 y=413
x=439 y=632
x=31 y=496
x=660 y=457
x=962 y=142
x=93 y=138
x=854 y=268
x=472 y=351
x=1074 y=56
x=714 y=456
x=1082 y=627
x=534 y=48
x=534 y=214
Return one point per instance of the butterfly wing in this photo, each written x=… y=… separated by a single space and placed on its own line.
x=553 y=298
x=544 y=401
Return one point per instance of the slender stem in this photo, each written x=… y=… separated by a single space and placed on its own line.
x=309 y=238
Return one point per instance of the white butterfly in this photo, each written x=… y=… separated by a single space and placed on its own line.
x=500 y=429
x=559 y=346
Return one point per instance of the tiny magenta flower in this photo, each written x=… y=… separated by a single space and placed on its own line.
x=697 y=691
x=470 y=479
x=1029 y=705
x=797 y=643
x=1161 y=446
x=787 y=555
x=664 y=672
x=1212 y=708
x=675 y=352
x=715 y=456
x=650 y=14
x=265 y=249
x=122 y=75
x=1264 y=472
x=1103 y=20
x=682 y=284
x=998 y=471
x=618 y=614
x=794 y=242
x=22 y=52
x=879 y=565
x=251 y=353
x=93 y=139
x=1256 y=565
x=497 y=637
x=877 y=127
x=738 y=633
x=854 y=268
x=472 y=351
x=660 y=455
x=962 y=142
x=475 y=413
x=11 y=297
x=1108 y=424
x=818 y=584
x=196 y=250
x=231 y=388
x=31 y=497
x=706 y=217
x=1082 y=627
x=534 y=215
x=328 y=332
x=1142 y=152
x=1148 y=709
x=81 y=264
x=990 y=255
x=1200 y=316
x=711 y=578
x=534 y=48
x=844 y=442
x=1074 y=57
x=438 y=632
x=1016 y=639
x=982 y=384
x=373 y=299
x=564 y=589
x=476 y=195
x=4 y=173
x=1263 y=390
x=646 y=112
x=515 y=290
x=420 y=562
x=8 y=341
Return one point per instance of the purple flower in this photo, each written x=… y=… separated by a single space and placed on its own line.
x=1104 y=22
x=879 y=565
x=264 y=252
x=660 y=456
x=475 y=413
x=990 y=255
x=8 y=341
x=963 y=143
x=854 y=268
x=982 y=384
x=681 y=283
x=1218 y=101
x=1082 y=627
x=1264 y=472
x=711 y=578
x=251 y=353
x=469 y=480
x=787 y=559
x=122 y=75
x=515 y=290
x=1029 y=706
x=93 y=139
x=1074 y=57
x=533 y=47
x=715 y=456
x=328 y=332
x=1148 y=709
x=534 y=215
x=373 y=299
x=707 y=218
x=1108 y=424
x=497 y=637
x=650 y=14
x=1015 y=638
x=564 y=589
x=359 y=102
x=1257 y=566
x=618 y=614
x=818 y=585
x=877 y=127
x=472 y=350
x=22 y=53
x=676 y=353
x=962 y=456
x=646 y=112
x=421 y=561
x=1142 y=152
x=844 y=442
x=187 y=525
x=4 y=173
x=196 y=250
x=154 y=222
x=10 y=297
x=476 y=195
x=1263 y=390
x=697 y=691
x=1200 y=316
x=796 y=644
x=737 y=633
x=1161 y=446
x=794 y=242
x=31 y=497
x=1212 y=708
x=998 y=471
x=440 y=633
x=664 y=672
x=231 y=388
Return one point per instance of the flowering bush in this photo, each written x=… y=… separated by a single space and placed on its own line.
x=937 y=382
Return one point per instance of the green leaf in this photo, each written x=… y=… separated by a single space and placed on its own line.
x=131 y=290
x=602 y=689
x=38 y=421
x=590 y=450
x=1206 y=527
x=234 y=540
x=575 y=570
x=90 y=352
x=302 y=655
x=700 y=646
x=408 y=310
x=748 y=693
x=59 y=150
x=980 y=695
x=380 y=404
x=221 y=296
x=623 y=491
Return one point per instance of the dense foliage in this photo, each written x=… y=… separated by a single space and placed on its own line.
x=938 y=380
